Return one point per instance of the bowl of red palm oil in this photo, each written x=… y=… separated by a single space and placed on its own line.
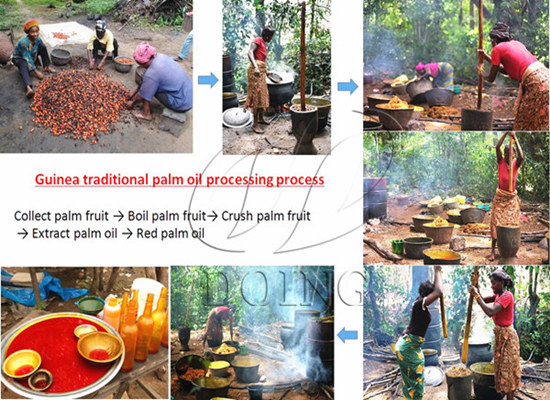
x=100 y=347
x=21 y=364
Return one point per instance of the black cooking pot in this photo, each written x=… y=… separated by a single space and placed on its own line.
x=230 y=100
x=439 y=97
x=280 y=93
x=184 y=334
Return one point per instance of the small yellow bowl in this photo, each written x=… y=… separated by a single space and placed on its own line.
x=102 y=341
x=84 y=329
x=19 y=359
x=219 y=368
x=41 y=380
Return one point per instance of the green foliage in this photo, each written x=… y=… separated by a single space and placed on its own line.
x=256 y=301
x=10 y=16
x=99 y=6
x=57 y=3
x=462 y=163
x=399 y=34
x=244 y=19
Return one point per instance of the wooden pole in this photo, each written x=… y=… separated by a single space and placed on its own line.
x=35 y=288
x=303 y=59
x=510 y=166
x=443 y=317
x=189 y=303
x=480 y=57
x=474 y=281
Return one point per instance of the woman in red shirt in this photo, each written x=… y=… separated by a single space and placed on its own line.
x=505 y=208
x=258 y=96
x=512 y=58
x=507 y=359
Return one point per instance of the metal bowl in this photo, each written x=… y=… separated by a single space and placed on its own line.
x=103 y=341
x=91 y=305
x=236 y=118
x=441 y=257
x=84 y=329
x=372 y=126
x=420 y=86
x=472 y=215
x=223 y=357
x=20 y=359
x=41 y=380
x=395 y=119
x=120 y=67
x=440 y=234
x=219 y=368
x=374 y=99
x=420 y=220
x=414 y=246
x=23 y=390
x=439 y=97
x=60 y=56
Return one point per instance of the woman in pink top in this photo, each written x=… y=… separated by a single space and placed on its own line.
x=258 y=96
x=512 y=58
x=505 y=208
x=214 y=325
x=500 y=306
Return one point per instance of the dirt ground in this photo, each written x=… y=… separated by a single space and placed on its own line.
x=499 y=99
x=276 y=139
x=528 y=254
x=132 y=136
x=272 y=370
x=81 y=278
x=373 y=369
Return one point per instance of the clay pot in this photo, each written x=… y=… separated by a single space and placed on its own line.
x=508 y=240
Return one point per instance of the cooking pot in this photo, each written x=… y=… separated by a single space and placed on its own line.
x=417 y=87
x=439 y=97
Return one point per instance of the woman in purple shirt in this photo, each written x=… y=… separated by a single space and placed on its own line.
x=164 y=79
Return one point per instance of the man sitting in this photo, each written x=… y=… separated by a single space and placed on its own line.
x=103 y=40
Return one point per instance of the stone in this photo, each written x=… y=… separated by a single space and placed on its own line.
x=172 y=122
x=458 y=243
x=543 y=244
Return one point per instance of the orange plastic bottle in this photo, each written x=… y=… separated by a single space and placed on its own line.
x=129 y=334
x=111 y=313
x=159 y=318
x=123 y=311
x=145 y=330
x=166 y=333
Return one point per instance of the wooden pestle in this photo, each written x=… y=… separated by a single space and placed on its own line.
x=474 y=281
x=480 y=56
x=443 y=317
x=303 y=59
x=510 y=166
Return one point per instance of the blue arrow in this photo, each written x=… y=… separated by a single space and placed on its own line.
x=208 y=80
x=347 y=335
x=350 y=86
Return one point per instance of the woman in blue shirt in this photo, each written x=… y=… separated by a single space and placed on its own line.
x=26 y=53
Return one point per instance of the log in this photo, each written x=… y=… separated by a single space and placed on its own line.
x=535 y=377
x=376 y=246
x=382 y=391
x=527 y=394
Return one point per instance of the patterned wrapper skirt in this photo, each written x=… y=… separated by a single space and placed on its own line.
x=445 y=76
x=532 y=103
x=411 y=362
x=507 y=360
x=258 y=95
x=504 y=210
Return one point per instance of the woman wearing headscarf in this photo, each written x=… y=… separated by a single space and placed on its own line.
x=441 y=72
x=505 y=209
x=500 y=306
x=26 y=52
x=164 y=79
x=258 y=96
x=409 y=346
x=512 y=58
x=214 y=325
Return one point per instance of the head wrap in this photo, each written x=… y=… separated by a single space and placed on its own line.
x=268 y=31
x=501 y=275
x=501 y=32
x=419 y=66
x=232 y=307
x=31 y=23
x=144 y=52
x=100 y=26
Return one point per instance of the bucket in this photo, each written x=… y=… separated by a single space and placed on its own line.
x=146 y=286
x=459 y=388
